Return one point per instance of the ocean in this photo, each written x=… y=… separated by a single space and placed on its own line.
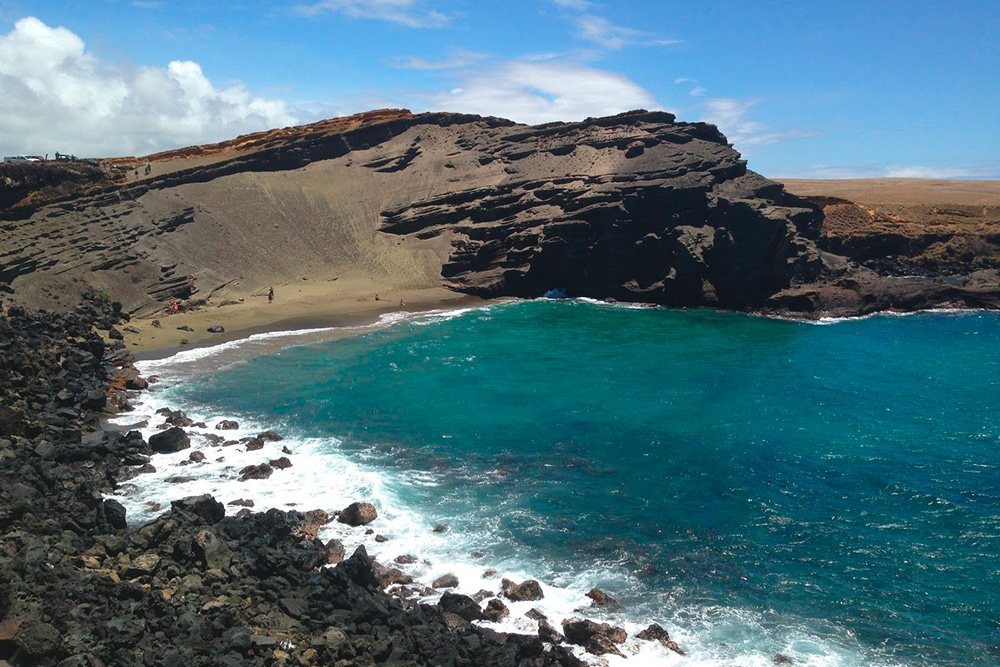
x=825 y=492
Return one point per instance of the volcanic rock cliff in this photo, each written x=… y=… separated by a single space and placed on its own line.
x=634 y=207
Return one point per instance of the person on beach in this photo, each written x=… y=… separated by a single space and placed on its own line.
x=270 y=295
x=376 y=298
x=401 y=304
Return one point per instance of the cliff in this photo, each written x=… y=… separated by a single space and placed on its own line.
x=634 y=207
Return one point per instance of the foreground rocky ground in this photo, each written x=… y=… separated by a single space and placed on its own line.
x=194 y=587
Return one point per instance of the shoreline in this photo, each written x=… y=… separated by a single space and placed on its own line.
x=192 y=586
x=351 y=320
x=410 y=582
x=242 y=320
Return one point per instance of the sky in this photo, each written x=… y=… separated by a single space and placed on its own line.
x=813 y=89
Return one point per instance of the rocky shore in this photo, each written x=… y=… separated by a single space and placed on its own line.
x=200 y=585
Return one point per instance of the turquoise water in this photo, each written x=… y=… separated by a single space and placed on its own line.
x=826 y=491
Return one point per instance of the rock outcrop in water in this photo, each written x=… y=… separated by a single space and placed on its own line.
x=633 y=207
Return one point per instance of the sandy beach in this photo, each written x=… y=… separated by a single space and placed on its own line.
x=305 y=306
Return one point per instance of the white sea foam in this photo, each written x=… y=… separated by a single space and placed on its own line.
x=325 y=476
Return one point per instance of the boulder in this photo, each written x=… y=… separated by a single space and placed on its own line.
x=496 y=611
x=655 y=632
x=581 y=631
x=172 y=440
x=601 y=599
x=227 y=425
x=196 y=457
x=204 y=509
x=281 y=463
x=525 y=591
x=95 y=399
x=549 y=634
x=136 y=383
x=261 y=471
x=114 y=514
x=334 y=551
x=254 y=444
x=461 y=605
x=603 y=645
x=269 y=436
x=358 y=514
x=445 y=581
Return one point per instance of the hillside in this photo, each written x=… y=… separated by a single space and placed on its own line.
x=634 y=207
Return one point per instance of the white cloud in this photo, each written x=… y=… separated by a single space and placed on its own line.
x=825 y=171
x=402 y=12
x=698 y=91
x=919 y=171
x=55 y=95
x=540 y=92
x=579 y=5
x=457 y=58
x=732 y=117
x=604 y=33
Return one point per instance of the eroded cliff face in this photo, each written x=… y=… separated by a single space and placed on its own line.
x=634 y=207
x=643 y=209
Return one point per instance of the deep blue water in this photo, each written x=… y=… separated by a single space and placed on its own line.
x=841 y=479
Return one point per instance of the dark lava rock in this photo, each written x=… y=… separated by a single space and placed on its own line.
x=445 y=581
x=199 y=510
x=114 y=513
x=603 y=645
x=527 y=590
x=496 y=611
x=601 y=599
x=406 y=559
x=179 y=479
x=136 y=384
x=656 y=633
x=172 y=440
x=254 y=444
x=216 y=329
x=549 y=634
x=227 y=425
x=196 y=457
x=535 y=615
x=334 y=551
x=281 y=463
x=242 y=502
x=462 y=606
x=261 y=471
x=581 y=631
x=95 y=399
x=269 y=436
x=184 y=328
x=358 y=514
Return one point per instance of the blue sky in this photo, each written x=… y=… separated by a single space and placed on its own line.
x=813 y=89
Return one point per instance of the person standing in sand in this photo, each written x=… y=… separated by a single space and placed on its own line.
x=270 y=295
